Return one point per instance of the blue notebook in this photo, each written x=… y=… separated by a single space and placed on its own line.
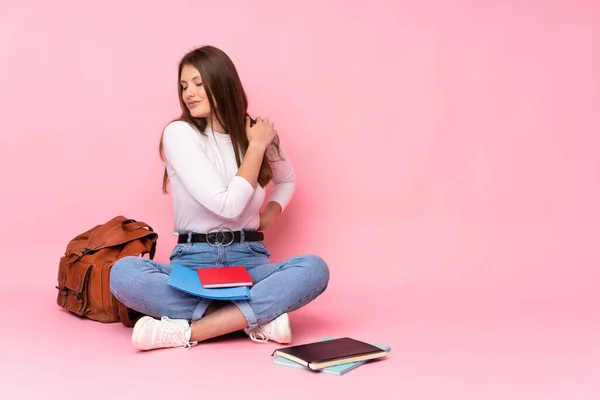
x=187 y=280
x=335 y=370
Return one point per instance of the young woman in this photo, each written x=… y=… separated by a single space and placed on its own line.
x=218 y=162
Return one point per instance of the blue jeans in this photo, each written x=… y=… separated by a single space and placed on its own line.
x=141 y=284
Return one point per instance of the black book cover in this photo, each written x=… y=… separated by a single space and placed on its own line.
x=330 y=350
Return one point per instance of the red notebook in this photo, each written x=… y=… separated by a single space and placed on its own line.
x=222 y=277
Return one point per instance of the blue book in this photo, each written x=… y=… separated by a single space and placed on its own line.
x=187 y=280
x=336 y=370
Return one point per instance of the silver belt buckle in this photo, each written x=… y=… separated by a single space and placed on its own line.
x=220 y=237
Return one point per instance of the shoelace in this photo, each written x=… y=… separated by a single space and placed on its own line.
x=259 y=335
x=173 y=334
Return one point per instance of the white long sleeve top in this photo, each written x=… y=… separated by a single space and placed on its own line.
x=206 y=192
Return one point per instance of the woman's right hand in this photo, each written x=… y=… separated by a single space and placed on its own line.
x=262 y=132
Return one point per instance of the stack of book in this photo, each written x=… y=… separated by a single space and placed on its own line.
x=218 y=283
x=330 y=355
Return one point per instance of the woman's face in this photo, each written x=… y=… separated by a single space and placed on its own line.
x=193 y=93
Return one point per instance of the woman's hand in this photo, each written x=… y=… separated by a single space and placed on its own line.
x=259 y=138
x=266 y=218
x=271 y=211
x=262 y=133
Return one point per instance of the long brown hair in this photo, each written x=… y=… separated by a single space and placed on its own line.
x=223 y=88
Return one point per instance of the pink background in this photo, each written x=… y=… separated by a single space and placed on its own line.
x=448 y=172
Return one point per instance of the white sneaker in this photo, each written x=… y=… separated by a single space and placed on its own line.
x=279 y=330
x=150 y=333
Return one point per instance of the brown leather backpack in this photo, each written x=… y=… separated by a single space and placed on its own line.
x=84 y=269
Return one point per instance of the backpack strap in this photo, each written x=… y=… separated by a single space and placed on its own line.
x=152 y=250
x=124 y=315
x=132 y=225
x=118 y=231
x=128 y=316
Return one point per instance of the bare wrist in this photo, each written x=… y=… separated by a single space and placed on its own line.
x=258 y=146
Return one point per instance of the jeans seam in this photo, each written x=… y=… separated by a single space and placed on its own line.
x=243 y=305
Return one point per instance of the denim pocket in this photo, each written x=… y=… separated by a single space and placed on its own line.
x=178 y=251
x=257 y=249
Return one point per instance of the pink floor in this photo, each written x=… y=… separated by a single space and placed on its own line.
x=467 y=348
